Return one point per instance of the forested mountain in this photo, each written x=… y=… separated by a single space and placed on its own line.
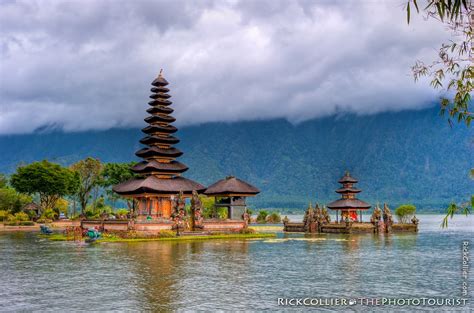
x=410 y=156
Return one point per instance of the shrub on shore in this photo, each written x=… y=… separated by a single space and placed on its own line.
x=121 y=213
x=265 y=217
x=274 y=218
x=405 y=212
x=4 y=215
x=262 y=217
x=20 y=218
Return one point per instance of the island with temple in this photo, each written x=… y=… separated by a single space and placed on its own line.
x=349 y=219
x=159 y=190
x=166 y=202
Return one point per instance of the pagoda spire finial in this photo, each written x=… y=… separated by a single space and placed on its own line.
x=160 y=74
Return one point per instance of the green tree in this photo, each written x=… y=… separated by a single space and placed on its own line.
x=12 y=201
x=89 y=172
x=453 y=70
x=48 y=180
x=114 y=174
x=405 y=212
x=262 y=216
x=3 y=181
x=273 y=218
x=62 y=206
x=208 y=206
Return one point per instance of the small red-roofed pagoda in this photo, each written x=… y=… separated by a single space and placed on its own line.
x=160 y=173
x=348 y=204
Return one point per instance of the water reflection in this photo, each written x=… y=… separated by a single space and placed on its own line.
x=41 y=275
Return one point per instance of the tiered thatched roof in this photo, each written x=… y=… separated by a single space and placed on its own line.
x=348 y=192
x=160 y=171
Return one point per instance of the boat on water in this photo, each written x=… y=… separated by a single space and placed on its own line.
x=92 y=235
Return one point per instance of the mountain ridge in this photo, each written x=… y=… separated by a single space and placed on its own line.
x=407 y=156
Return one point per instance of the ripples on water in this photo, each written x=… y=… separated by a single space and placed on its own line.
x=40 y=275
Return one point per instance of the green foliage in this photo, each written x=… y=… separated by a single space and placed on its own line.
x=12 y=201
x=405 y=212
x=274 y=218
x=31 y=214
x=114 y=174
x=453 y=69
x=98 y=209
x=3 y=181
x=89 y=172
x=121 y=213
x=21 y=216
x=49 y=180
x=44 y=220
x=166 y=234
x=453 y=208
x=208 y=207
x=26 y=223
x=48 y=214
x=262 y=216
x=4 y=215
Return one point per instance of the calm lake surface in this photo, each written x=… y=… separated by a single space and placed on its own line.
x=41 y=275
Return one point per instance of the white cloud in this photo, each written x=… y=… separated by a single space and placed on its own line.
x=88 y=64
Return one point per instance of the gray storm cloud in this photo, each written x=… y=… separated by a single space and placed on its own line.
x=78 y=65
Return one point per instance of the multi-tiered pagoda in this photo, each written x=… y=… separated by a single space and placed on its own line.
x=160 y=172
x=348 y=204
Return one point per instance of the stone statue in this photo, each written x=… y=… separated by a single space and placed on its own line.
x=318 y=214
x=179 y=212
x=387 y=218
x=414 y=220
x=286 y=220
x=308 y=217
x=246 y=217
x=196 y=209
x=376 y=215
x=326 y=219
x=348 y=221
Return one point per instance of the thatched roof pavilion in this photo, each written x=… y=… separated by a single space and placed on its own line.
x=231 y=193
x=231 y=186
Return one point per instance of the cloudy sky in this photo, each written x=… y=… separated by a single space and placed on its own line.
x=80 y=65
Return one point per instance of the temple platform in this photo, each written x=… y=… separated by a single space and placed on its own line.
x=348 y=228
x=155 y=226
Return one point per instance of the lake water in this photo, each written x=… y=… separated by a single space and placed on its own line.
x=41 y=275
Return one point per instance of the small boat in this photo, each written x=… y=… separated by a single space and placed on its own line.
x=92 y=235
x=45 y=230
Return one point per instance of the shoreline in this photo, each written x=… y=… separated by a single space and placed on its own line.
x=61 y=237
